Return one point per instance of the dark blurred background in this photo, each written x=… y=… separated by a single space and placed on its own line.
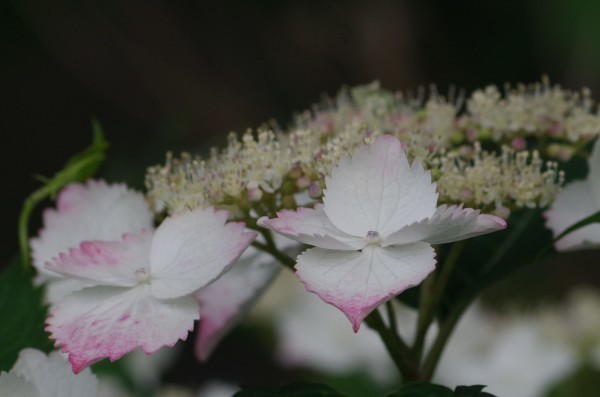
x=169 y=75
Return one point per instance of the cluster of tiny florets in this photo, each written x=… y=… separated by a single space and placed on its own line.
x=495 y=181
x=538 y=109
x=524 y=133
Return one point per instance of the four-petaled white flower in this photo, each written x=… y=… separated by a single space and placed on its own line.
x=575 y=202
x=84 y=212
x=140 y=289
x=373 y=234
x=37 y=375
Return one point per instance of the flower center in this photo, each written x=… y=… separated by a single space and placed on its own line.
x=142 y=276
x=373 y=237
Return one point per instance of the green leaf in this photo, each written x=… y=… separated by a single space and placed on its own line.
x=426 y=389
x=22 y=315
x=422 y=389
x=290 y=390
x=493 y=257
x=471 y=391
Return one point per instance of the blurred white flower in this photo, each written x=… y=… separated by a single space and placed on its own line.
x=514 y=357
x=576 y=201
x=36 y=374
x=217 y=389
x=314 y=335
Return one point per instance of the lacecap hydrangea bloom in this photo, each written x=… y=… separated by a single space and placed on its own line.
x=139 y=290
x=483 y=150
x=576 y=201
x=374 y=232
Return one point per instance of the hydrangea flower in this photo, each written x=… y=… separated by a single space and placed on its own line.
x=37 y=375
x=140 y=288
x=576 y=201
x=374 y=230
x=84 y=212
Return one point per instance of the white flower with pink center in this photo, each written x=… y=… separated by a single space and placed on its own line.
x=84 y=212
x=140 y=288
x=374 y=230
x=575 y=202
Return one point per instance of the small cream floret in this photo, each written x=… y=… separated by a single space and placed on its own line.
x=142 y=276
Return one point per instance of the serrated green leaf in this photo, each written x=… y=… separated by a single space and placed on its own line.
x=22 y=315
x=422 y=389
x=290 y=390
x=471 y=391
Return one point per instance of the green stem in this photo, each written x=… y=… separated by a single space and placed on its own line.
x=448 y=325
x=270 y=248
x=435 y=353
x=398 y=350
x=391 y=313
x=28 y=206
x=432 y=291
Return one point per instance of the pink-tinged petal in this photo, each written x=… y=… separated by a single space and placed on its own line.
x=449 y=223
x=594 y=172
x=224 y=302
x=575 y=202
x=192 y=249
x=313 y=227
x=53 y=376
x=88 y=212
x=377 y=190
x=107 y=262
x=358 y=282
x=109 y=322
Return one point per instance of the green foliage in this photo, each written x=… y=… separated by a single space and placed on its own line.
x=22 y=315
x=426 y=389
x=493 y=257
x=79 y=168
x=291 y=390
x=487 y=259
x=422 y=389
x=471 y=391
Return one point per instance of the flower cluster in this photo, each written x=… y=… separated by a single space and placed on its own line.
x=497 y=152
x=118 y=288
